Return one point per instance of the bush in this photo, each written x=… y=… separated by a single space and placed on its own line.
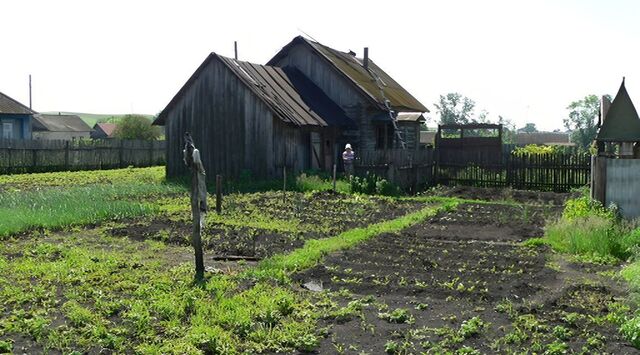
x=371 y=184
x=137 y=127
x=536 y=149
x=587 y=228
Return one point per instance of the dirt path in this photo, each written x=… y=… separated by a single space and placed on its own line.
x=460 y=282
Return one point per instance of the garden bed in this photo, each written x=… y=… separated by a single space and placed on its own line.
x=459 y=282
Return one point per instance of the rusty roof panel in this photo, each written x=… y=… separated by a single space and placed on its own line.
x=11 y=106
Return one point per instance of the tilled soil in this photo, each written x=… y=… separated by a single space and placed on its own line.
x=224 y=239
x=459 y=282
x=502 y=194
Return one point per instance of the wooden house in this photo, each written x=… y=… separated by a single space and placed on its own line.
x=250 y=117
x=360 y=88
x=298 y=112
x=60 y=127
x=103 y=130
x=15 y=119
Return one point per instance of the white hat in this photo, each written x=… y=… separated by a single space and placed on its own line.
x=348 y=146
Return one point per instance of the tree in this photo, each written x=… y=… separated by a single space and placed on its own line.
x=528 y=128
x=582 y=120
x=455 y=108
x=136 y=127
x=508 y=130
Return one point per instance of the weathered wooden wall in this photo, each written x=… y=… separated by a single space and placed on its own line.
x=623 y=185
x=340 y=90
x=233 y=128
x=30 y=156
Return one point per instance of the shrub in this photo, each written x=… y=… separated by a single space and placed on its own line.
x=536 y=149
x=371 y=184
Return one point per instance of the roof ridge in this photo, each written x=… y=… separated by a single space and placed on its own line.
x=18 y=102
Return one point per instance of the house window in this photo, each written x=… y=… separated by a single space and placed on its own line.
x=7 y=130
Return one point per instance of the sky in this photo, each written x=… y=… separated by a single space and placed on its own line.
x=523 y=60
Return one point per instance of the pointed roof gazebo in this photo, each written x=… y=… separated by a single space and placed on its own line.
x=621 y=122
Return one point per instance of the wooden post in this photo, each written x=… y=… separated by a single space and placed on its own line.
x=599 y=178
x=218 y=194
x=66 y=155
x=198 y=200
x=121 y=154
x=334 y=177
x=284 y=183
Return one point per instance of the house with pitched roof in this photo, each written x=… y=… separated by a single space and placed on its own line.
x=361 y=88
x=295 y=113
x=60 y=127
x=15 y=119
x=103 y=130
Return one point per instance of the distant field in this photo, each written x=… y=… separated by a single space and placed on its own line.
x=92 y=118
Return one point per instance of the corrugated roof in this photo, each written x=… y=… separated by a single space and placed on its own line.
x=352 y=68
x=288 y=93
x=59 y=123
x=11 y=106
x=621 y=123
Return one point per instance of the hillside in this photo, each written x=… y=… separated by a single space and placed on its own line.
x=92 y=118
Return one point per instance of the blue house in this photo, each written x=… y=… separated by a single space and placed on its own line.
x=15 y=119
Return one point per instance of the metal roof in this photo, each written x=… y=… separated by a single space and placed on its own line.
x=364 y=79
x=621 y=124
x=59 y=123
x=288 y=93
x=11 y=106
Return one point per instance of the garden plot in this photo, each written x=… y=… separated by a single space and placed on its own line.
x=263 y=224
x=459 y=282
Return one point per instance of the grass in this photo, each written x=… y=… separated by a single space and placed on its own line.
x=21 y=182
x=59 y=208
x=88 y=291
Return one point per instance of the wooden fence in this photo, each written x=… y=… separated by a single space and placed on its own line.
x=415 y=169
x=409 y=169
x=29 y=156
x=545 y=172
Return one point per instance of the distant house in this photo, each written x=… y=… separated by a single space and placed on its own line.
x=15 y=119
x=298 y=112
x=103 y=130
x=428 y=138
x=543 y=138
x=62 y=127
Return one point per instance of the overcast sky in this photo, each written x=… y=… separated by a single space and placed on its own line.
x=524 y=60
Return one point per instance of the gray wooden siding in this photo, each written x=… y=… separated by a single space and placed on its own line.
x=234 y=130
x=623 y=185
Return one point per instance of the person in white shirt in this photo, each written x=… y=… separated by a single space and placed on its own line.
x=348 y=157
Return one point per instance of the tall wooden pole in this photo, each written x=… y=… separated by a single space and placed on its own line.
x=334 y=177
x=198 y=200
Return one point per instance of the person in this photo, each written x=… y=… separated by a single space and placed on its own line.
x=347 y=159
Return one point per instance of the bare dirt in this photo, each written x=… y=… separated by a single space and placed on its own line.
x=457 y=266
x=320 y=215
x=505 y=194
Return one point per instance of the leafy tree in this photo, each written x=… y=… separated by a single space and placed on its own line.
x=582 y=120
x=136 y=127
x=528 y=128
x=455 y=108
x=508 y=130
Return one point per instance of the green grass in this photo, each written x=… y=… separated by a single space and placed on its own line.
x=152 y=175
x=59 y=208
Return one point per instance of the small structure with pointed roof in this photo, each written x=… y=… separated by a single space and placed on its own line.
x=620 y=127
x=615 y=170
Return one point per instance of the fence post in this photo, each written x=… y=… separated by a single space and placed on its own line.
x=599 y=178
x=218 y=194
x=66 y=155
x=284 y=183
x=334 y=177
x=121 y=154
